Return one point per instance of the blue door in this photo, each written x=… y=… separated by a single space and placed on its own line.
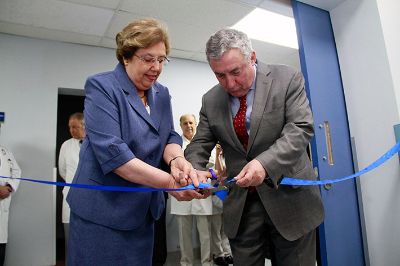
x=340 y=234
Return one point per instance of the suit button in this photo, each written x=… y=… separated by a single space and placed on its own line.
x=269 y=182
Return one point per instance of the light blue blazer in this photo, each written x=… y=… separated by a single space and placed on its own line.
x=119 y=129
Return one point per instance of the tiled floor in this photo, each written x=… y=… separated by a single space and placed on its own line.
x=173 y=260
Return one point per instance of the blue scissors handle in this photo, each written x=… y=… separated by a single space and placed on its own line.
x=213 y=174
x=214 y=177
x=217 y=186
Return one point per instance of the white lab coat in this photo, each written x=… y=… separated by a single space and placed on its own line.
x=8 y=168
x=195 y=206
x=67 y=164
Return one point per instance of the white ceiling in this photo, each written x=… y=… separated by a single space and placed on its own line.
x=96 y=22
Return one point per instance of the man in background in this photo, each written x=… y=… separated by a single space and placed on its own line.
x=198 y=209
x=220 y=248
x=9 y=170
x=68 y=162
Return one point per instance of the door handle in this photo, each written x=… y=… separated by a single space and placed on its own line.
x=329 y=154
x=328 y=138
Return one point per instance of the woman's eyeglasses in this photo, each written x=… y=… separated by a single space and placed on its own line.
x=151 y=60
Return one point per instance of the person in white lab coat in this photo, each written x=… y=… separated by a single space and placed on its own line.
x=8 y=186
x=221 y=250
x=68 y=162
x=199 y=209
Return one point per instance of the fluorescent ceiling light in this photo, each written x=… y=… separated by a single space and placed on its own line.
x=267 y=26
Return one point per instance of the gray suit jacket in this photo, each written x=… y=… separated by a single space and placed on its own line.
x=280 y=130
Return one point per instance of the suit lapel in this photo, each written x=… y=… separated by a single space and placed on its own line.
x=137 y=104
x=155 y=113
x=263 y=87
x=132 y=97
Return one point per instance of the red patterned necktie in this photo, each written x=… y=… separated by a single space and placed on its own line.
x=239 y=122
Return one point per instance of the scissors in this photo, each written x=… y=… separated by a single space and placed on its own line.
x=217 y=186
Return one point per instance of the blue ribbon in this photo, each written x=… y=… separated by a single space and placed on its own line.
x=285 y=181
x=301 y=182
x=112 y=188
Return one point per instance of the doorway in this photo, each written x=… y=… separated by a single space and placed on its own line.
x=69 y=101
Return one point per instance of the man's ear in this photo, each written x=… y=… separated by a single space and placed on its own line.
x=253 y=58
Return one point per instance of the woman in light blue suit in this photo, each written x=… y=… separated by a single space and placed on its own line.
x=129 y=133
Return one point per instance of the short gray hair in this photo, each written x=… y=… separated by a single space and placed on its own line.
x=225 y=40
x=78 y=116
x=183 y=116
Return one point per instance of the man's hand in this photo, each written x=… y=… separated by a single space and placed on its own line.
x=5 y=191
x=252 y=174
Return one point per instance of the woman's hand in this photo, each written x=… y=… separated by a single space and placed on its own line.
x=183 y=172
x=189 y=194
x=203 y=176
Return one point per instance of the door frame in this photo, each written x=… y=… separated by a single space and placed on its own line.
x=341 y=241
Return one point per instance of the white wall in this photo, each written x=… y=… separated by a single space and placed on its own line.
x=371 y=84
x=31 y=71
x=187 y=81
x=388 y=14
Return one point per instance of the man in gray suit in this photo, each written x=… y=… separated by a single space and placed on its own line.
x=261 y=117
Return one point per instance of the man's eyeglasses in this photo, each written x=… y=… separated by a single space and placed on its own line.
x=151 y=60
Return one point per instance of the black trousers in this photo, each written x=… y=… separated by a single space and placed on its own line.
x=160 y=239
x=2 y=253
